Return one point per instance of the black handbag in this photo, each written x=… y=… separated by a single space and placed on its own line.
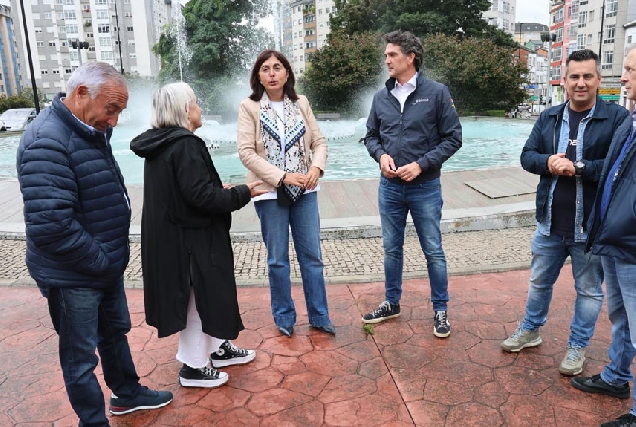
x=282 y=197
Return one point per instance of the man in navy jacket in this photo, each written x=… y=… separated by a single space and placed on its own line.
x=412 y=130
x=613 y=236
x=566 y=148
x=77 y=216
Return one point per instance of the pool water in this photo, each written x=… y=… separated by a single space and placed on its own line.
x=487 y=143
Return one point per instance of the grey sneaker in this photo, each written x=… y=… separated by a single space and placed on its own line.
x=573 y=362
x=520 y=340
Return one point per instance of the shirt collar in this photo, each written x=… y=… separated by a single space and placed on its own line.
x=411 y=83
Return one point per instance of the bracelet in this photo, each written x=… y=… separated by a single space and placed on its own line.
x=282 y=179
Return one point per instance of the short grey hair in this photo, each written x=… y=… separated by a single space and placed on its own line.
x=94 y=75
x=408 y=43
x=170 y=105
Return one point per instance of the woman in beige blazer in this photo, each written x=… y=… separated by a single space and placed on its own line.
x=280 y=143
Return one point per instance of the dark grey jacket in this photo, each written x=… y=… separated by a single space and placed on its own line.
x=427 y=131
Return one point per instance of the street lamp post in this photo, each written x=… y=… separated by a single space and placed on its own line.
x=121 y=61
x=549 y=37
x=79 y=45
x=36 y=101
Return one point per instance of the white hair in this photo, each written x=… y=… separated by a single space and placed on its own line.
x=94 y=75
x=171 y=104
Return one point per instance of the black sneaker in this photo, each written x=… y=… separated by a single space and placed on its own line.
x=627 y=420
x=146 y=399
x=229 y=354
x=441 y=327
x=595 y=384
x=203 y=377
x=385 y=311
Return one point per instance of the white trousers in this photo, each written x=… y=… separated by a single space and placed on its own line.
x=195 y=346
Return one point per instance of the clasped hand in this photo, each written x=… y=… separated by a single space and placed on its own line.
x=406 y=173
x=308 y=181
x=558 y=164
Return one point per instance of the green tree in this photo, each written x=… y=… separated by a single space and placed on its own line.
x=479 y=74
x=421 y=17
x=341 y=71
x=222 y=42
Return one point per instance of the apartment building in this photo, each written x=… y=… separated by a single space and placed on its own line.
x=502 y=14
x=589 y=24
x=10 y=83
x=119 y=32
x=305 y=29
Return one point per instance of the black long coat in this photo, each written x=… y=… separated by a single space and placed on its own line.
x=185 y=238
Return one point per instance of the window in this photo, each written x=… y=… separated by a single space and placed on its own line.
x=610 y=33
x=51 y=44
x=69 y=14
x=105 y=41
x=131 y=42
x=129 y=29
x=611 y=8
x=48 y=15
x=608 y=60
x=67 y=71
x=107 y=55
x=73 y=55
x=556 y=53
x=56 y=71
x=589 y=39
x=69 y=2
x=102 y=14
x=89 y=35
x=39 y=44
x=132 y=55
x=44 y=71
x=506 y=7
x=582 y=18
x=103 y=28
x=555 y=73
x=558 y=16
x=63 y=43
x=98 y=2
x=71 y=28
x=35 y=16
x=629 y=39
x=580 y=41
x=591 y=16
x=128 y=14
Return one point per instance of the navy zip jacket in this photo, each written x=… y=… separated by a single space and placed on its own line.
x=544 y=142
x=615 y=235
x=76 y=208
x=427 y=131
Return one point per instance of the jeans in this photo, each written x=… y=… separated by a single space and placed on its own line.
x=85 y=319
x=548 y=256
x=620 y=277
x=424 y=201
x=304 y=220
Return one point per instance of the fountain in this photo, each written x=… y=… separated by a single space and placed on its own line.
x=178 y=32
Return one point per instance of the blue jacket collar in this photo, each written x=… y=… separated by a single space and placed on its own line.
x=600 y=109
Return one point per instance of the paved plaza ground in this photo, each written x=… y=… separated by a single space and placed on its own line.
x=401 y=375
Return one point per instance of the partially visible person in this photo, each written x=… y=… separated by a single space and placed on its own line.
x=612 y=236
x=77 y=216
x=566 y=148
x=412 y=130
x=280 y=143
x=186 y=251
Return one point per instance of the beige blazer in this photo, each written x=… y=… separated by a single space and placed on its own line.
x=252 y=153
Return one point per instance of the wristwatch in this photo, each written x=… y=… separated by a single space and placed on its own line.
x=579 y=168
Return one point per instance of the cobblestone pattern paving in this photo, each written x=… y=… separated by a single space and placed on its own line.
x=346 y=260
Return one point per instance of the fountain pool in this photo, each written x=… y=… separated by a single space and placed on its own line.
x=487 y=143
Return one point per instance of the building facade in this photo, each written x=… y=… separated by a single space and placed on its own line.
x=10 y=82
x=502 y=14
x=305 y=29
x=598 y=25
x=119 y=32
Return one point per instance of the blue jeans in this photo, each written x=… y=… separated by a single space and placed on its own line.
x=548 y=256
x=86 y=319
x=424 y=201
x=304 y=220
x=620 y=277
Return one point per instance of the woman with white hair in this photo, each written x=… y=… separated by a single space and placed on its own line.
x=186 y=252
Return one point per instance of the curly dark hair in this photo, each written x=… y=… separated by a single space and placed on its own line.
x=408 y=44
x=255 y=83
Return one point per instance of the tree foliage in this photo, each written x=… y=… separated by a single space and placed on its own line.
x=222 y=41
x=342 y=70
x=420 y=17
x=479 y=74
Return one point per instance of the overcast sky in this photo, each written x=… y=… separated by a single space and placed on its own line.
x=533 y=11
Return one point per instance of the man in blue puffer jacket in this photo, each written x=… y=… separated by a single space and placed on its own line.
x=612 y=235
x=77 y=216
